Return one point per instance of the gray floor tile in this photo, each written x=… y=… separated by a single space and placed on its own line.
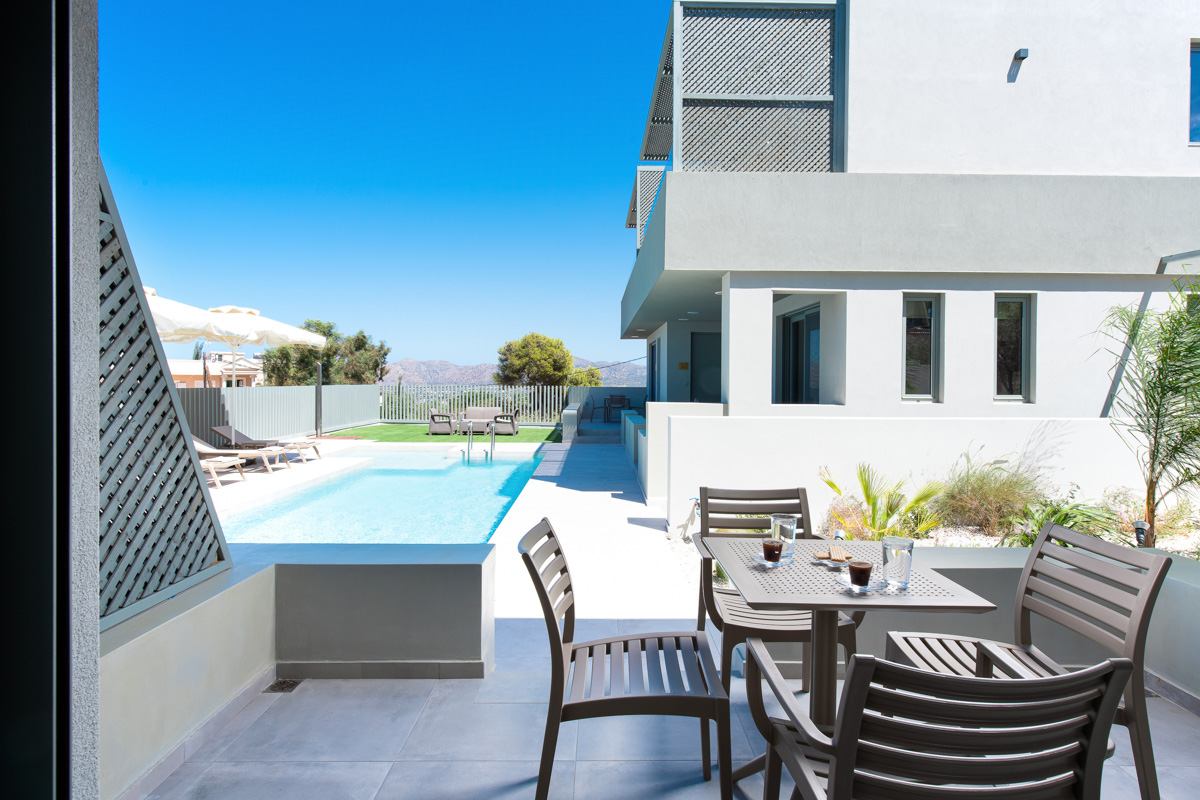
x=294 y=781
x=179 y=781
x=1177 y=782
x=467 y=780
x=651 y=739
x=483 y=731
x=651 y=780
x=1174 y=732
x=515 y=686
x=1118 y=784
x=213 y=748
x=335 y=720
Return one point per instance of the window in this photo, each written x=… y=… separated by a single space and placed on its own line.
x=1194 y=118
x=922 y=346
x=1012 y=348
x=801 y=351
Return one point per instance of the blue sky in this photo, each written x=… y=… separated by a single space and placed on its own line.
x=445 y=177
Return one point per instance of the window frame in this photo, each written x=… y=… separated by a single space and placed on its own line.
x=936 y=334
x=1193 y=77
x=1027 y=306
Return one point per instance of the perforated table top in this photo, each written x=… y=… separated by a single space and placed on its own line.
x=807 y=584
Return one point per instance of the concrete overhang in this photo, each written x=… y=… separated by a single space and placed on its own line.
x=707 y=224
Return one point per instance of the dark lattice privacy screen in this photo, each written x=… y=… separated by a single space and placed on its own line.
x=758 y=89
x=158 y=531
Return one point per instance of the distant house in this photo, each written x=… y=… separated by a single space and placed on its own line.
x=215 y=370
x=889 y=233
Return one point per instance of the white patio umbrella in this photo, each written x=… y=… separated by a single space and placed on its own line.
x=232 y=326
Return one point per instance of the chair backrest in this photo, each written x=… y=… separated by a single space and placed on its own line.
x=547 y=565
x=907 y=733
x=1093 y=587
x=719 y=510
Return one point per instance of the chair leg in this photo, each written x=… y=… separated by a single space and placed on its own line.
x=806 y=667
x=1138 y=725
x=772 y=774
x=727 y=644
x=724 y=751
x=548 y=746
x=706 y=758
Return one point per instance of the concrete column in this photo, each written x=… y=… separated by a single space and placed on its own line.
x=746 y=345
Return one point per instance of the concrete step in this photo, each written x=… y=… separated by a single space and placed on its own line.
x=598 y=437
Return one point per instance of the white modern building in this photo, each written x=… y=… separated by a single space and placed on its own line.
x=889 y=231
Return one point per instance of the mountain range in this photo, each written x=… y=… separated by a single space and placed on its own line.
x=425 y=373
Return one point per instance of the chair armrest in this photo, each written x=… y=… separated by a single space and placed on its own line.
x=760 y=660
x=990 y=656
x=698 y=540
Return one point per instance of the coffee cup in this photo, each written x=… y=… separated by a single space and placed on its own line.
x=860 y=572
x=772 y=549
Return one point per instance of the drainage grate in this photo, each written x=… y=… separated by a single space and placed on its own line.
x=283 y=685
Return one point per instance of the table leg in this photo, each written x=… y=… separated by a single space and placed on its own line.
x=822 y=700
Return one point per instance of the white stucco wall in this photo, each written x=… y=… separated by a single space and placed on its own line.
x=1070 y=370
x=763 y=452
x=1104 y=90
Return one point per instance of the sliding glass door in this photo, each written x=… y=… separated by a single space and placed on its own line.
x=801 y=352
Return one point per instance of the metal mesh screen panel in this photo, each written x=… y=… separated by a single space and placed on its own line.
x=157 y=526
x=728 y=136
x=656 y=144
x=648 y=181
x=757 y=51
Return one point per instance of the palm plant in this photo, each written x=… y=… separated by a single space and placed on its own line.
x=1157 y=393
x=1078 y=516
x=887 y=511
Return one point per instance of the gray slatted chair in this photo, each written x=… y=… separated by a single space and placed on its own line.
x=1093 y=587
x=725 y=607
x=676 y=678
x=903 y=732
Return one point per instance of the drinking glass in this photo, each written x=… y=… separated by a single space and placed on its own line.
x=897 y=560
x=783 y=527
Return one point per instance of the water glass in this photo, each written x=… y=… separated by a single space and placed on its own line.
x=897 y=560
x=783 y=528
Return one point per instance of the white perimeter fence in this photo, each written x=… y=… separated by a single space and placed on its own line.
x=278 y=412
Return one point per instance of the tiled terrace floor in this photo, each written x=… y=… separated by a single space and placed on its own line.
x=428 y=739
x=467 y=739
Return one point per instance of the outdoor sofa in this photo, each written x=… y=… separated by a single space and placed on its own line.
x=482 y=416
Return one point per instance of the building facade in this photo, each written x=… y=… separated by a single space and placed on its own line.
x=890 y=232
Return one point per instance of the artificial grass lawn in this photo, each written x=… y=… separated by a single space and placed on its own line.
x=419 y=433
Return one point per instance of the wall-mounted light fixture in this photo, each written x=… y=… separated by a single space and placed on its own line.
x=1022 y=53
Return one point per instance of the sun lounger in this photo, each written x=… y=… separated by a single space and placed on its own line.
x=207 y=451
x=239 y=439
x=222 y=462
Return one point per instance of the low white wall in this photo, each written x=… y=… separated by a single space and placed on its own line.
x=631 y=426
x=570 y=423
x=752 y=452
x=164 y=674
x=657 y=414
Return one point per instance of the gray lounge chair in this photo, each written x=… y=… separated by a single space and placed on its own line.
x=265 y=454
x=1089 y=586
x=440 y=424
x=902 y=732
x=616 y=661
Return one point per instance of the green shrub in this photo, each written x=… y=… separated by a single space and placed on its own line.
x=1094 y=519
x=1126 y=508
x=885 y=510
x=985 y=494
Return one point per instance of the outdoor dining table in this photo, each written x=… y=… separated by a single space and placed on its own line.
x=807 y=585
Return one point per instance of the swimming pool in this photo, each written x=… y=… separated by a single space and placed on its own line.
x=397 y=498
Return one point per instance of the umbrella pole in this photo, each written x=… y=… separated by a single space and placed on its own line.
x=232 y=389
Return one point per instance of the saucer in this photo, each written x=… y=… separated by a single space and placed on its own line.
x=782 y=562
x=874 y=586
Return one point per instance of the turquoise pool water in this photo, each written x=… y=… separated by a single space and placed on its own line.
x=402 y=498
